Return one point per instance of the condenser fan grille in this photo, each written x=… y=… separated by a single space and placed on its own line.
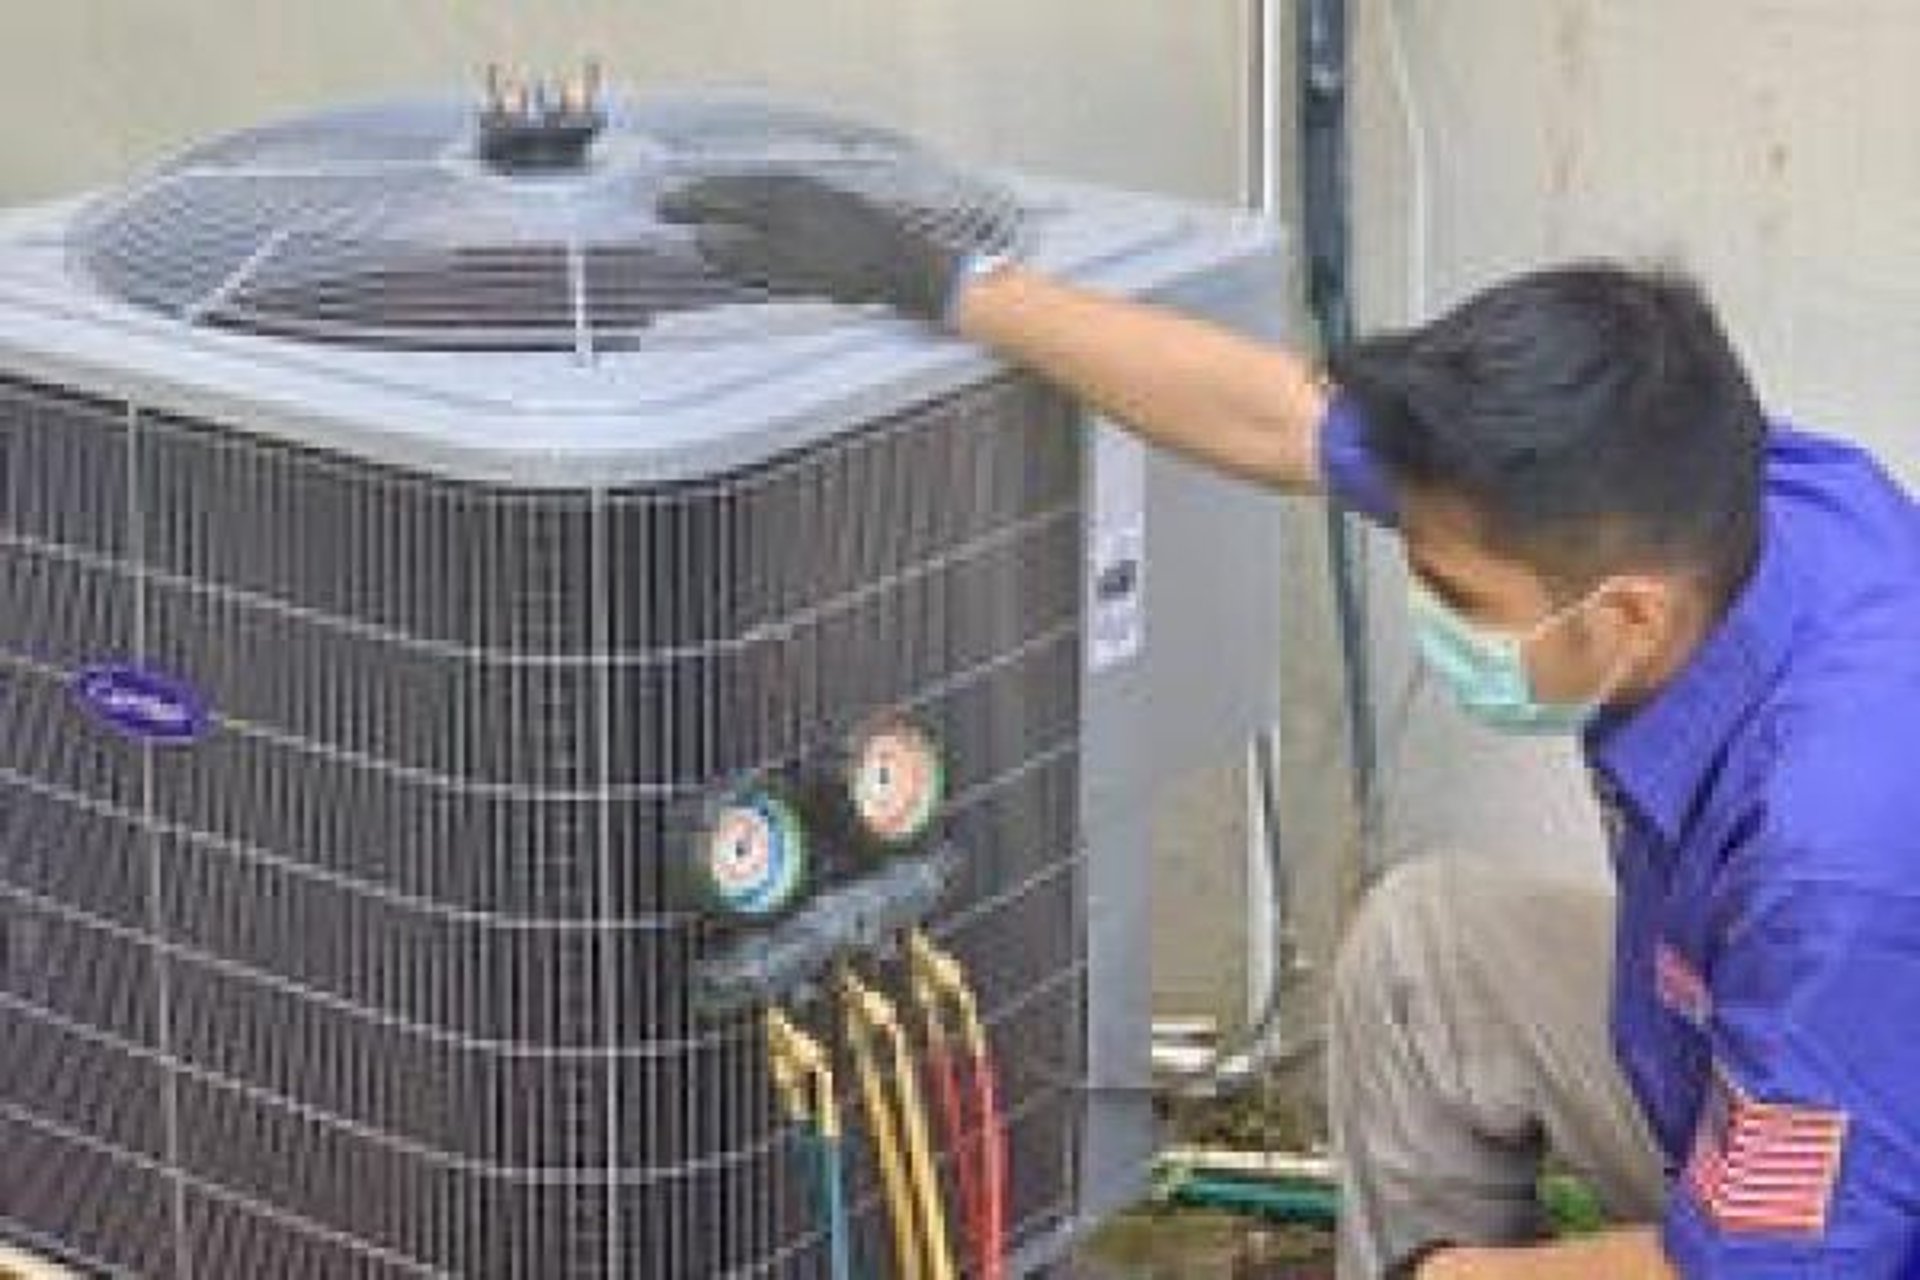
x=380 y=228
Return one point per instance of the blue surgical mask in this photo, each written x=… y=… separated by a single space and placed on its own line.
x=1486 y=669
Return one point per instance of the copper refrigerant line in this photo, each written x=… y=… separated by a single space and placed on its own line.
x=540 y=126
x=517 y=95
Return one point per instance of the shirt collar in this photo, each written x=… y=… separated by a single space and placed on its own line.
x=1660 y=753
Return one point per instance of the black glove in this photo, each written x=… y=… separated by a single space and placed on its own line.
x=795 y=235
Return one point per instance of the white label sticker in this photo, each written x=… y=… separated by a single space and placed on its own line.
x=1117 y=550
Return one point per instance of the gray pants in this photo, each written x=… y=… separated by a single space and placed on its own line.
x=1468 y=1041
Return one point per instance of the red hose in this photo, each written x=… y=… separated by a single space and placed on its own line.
x=993 y=1168
x=946 y=1077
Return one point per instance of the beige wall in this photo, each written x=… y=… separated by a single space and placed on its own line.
x=1770 y=147
x=1145 y=92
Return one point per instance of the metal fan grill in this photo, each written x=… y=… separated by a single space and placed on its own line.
x=383 y=227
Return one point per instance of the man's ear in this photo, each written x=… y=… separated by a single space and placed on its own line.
x=1644 y=606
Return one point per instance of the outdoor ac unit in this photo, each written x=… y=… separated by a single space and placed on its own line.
x=400 y=549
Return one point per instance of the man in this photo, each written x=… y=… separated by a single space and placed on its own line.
x=1604 y=536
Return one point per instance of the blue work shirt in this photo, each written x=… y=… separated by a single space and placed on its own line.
x=1764 y=821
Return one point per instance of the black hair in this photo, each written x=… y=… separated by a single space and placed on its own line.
x=1594 y=418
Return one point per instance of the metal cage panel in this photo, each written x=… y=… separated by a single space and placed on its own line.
x=381 y=976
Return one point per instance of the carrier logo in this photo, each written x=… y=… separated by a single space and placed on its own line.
x=143 y=704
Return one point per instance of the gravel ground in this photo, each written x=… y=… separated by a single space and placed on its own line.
x=1156 y=1243
x=1193 y=1245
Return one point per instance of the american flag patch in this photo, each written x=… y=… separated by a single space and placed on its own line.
x=1764 y=1167
x=1679 y=985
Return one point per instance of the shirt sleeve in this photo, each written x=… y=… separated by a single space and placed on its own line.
x=1805 y=1159
x=1353 y=477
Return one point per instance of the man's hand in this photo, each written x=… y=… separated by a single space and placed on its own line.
x=795 y=235
x=1627 y=1253
x=1456 y=1262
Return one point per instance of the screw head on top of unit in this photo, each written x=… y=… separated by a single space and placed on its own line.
x=750 y=861
x=895 y=780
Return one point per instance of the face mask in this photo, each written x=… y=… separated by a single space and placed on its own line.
x=1486 y=669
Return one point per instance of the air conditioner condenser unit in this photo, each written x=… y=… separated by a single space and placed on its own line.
x=407 y=546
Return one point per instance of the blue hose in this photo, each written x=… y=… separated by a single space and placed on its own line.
x=833 y=1177
x=825 y=1172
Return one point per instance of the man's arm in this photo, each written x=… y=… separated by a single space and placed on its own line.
x=1195 y=388
x=1199 y=390
x=1630 y=1253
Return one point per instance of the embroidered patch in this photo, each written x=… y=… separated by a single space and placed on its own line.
x=1763 y=1167
x=1680 y=986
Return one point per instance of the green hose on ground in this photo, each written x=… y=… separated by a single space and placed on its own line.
x=1279 y=1200
x=1571 y=1206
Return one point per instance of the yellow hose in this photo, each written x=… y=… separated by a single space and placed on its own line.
x=800 y=1066
x=935 y=973
x=933 y=1212
x=784 y=1066
x=886 y=1135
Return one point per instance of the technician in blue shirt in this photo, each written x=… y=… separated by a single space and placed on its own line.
x=1605 y=536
